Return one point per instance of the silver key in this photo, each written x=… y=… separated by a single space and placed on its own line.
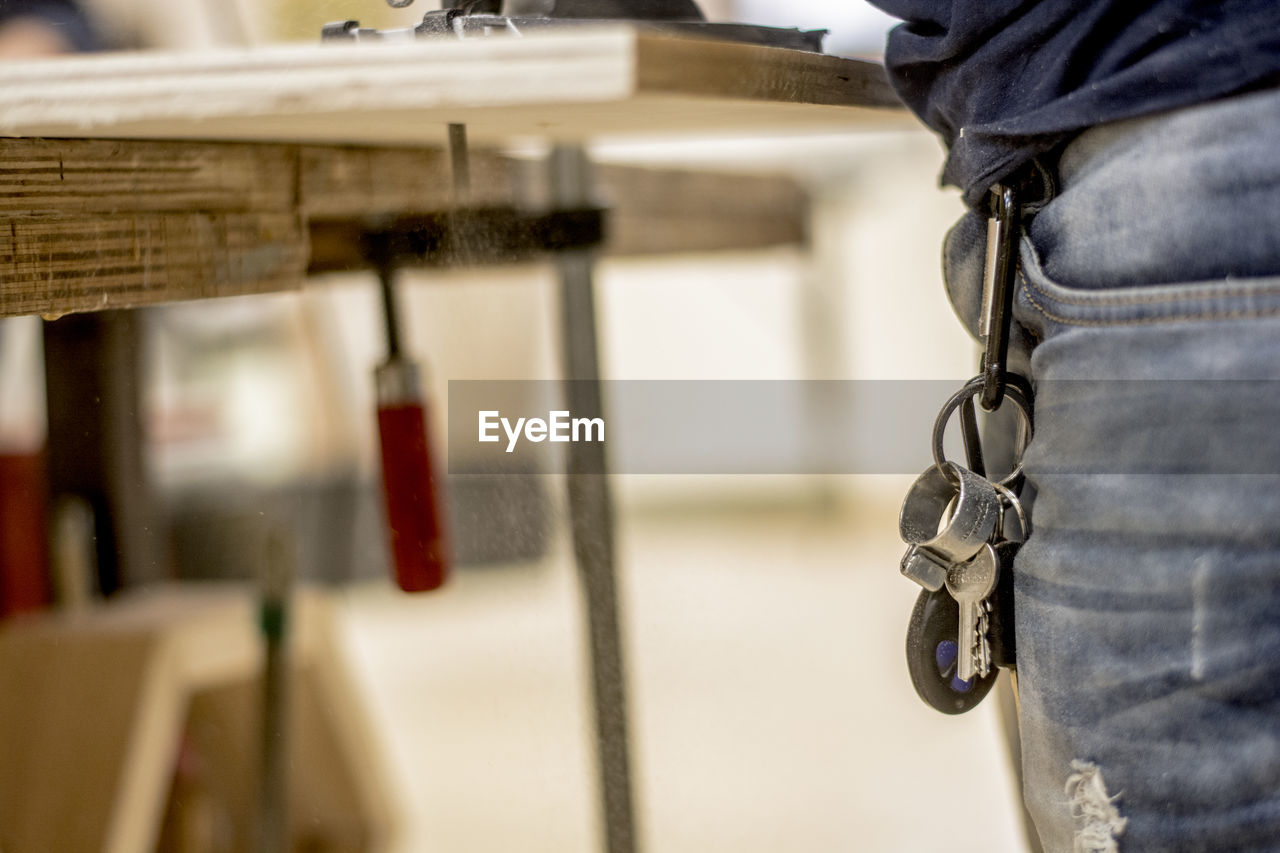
x=983 y=640
x=969 y=583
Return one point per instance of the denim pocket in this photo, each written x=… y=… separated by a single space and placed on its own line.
x=1152 y=379
x=1047 y=307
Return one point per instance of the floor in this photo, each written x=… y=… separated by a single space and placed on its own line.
x=770 y=704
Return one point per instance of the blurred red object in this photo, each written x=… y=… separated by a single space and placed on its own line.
x=24 y=548
x=410 y=490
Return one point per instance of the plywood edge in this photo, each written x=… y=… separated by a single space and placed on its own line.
x=41 y=178
x=729 y=70
x=352 y=181
x=88 y=225
x=95 y=96
x=95 y=262
x=577 y=83
x=44 y=179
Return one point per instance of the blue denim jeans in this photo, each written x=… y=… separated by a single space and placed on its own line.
x=1148 y=595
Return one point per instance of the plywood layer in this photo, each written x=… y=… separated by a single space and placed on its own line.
x=55 y=266
x=95 y=224
x=584 y=84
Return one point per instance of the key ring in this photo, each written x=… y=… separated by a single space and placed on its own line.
x=1017 y=391
x=1010 y=498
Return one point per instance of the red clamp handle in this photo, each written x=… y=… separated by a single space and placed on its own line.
x=414 y=516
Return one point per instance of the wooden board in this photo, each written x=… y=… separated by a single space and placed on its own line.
x=56 y=266
x=584 y=84
x=95 y=707
x=94 y=224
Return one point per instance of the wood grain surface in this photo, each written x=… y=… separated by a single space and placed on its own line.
x=96 y=224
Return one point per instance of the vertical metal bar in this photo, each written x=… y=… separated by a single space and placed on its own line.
x=461 y=164
x=390 y=306
x=591 y=513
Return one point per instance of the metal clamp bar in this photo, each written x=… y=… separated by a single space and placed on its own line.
x=591 y=514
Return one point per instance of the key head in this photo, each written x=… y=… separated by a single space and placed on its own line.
x=932 y=656
x=974 y=580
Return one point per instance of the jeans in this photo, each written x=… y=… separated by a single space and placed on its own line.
x=1147 y=598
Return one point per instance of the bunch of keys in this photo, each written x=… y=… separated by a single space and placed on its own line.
x=954 y=518
x=956 y=524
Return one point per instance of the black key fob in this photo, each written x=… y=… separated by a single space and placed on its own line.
x=1001 y=631
x=932 y=653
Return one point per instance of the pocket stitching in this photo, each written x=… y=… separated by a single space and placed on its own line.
x=1187 y=294
x=1140 y=321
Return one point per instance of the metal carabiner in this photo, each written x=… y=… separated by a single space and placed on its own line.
x=1003 y=226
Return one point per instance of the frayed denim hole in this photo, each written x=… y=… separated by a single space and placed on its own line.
x=1098 y=821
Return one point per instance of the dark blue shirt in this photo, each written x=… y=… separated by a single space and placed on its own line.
x=65 y=16
x=1005 y=80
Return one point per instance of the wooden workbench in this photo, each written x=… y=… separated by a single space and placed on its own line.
x=128 y=180
x=114 y=192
